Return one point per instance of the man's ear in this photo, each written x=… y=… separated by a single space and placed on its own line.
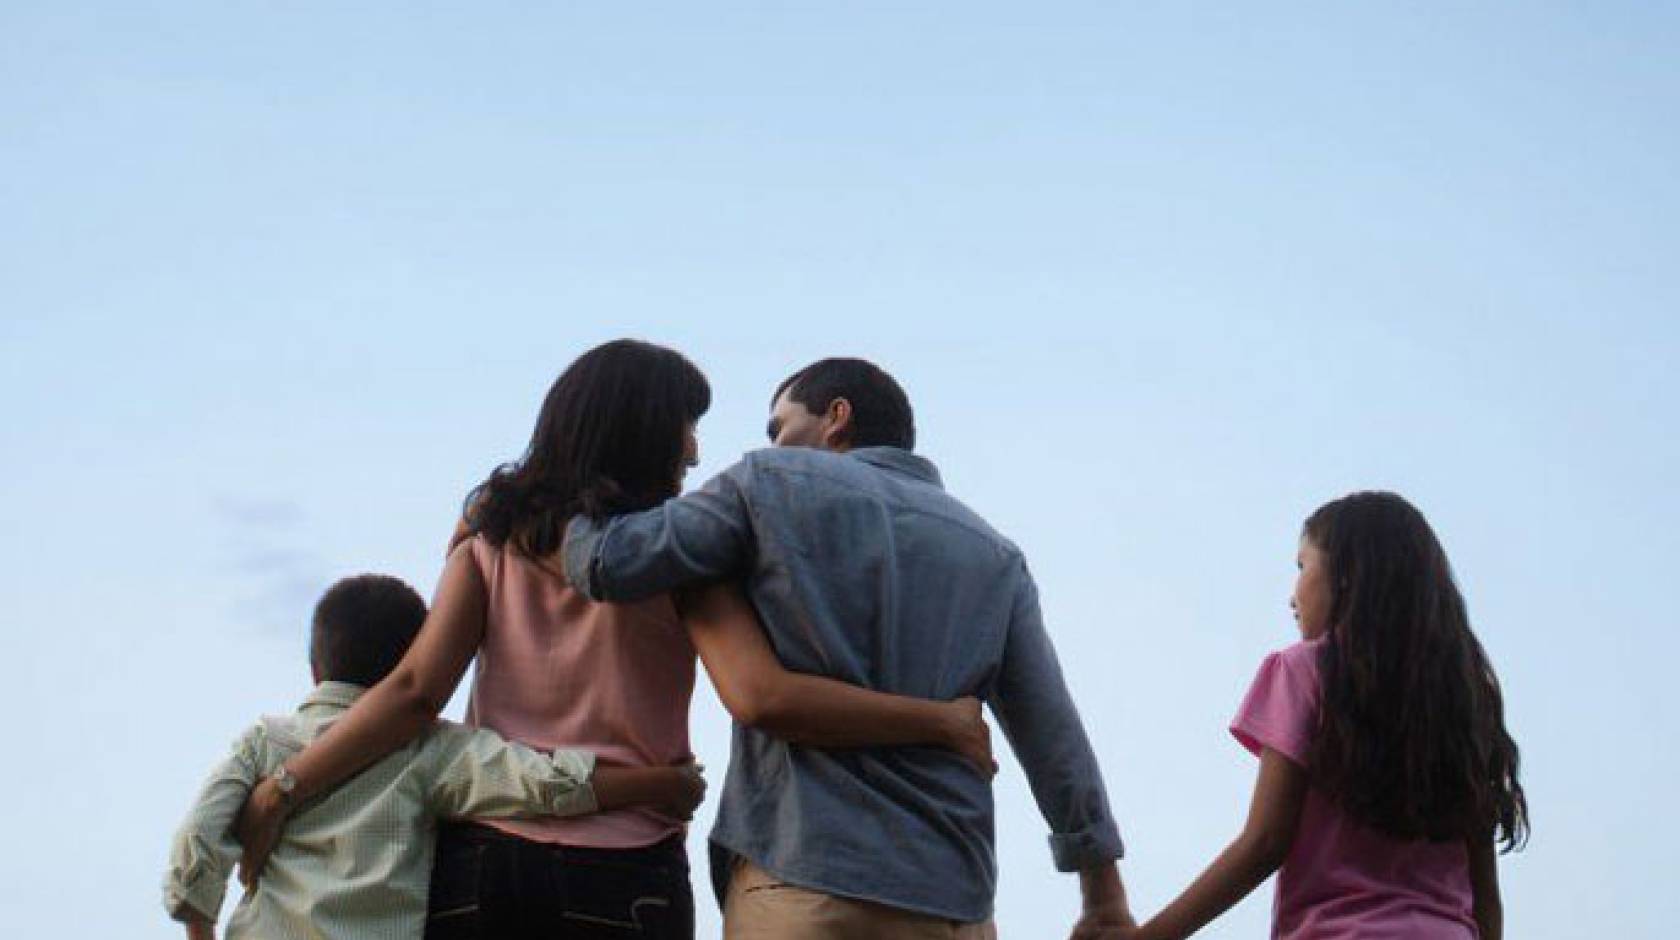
x=837 y=425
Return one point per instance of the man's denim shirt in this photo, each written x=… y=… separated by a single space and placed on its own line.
x=864 y=570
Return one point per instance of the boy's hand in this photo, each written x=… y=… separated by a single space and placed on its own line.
x=199 y=928
x=669 y=791
x=682 y=791
x=970 y=736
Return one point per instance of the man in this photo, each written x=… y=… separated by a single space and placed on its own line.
x=864 y=570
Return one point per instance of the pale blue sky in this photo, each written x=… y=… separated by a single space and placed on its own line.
x=280 y=282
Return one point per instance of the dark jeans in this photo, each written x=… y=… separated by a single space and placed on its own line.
x=487 y=885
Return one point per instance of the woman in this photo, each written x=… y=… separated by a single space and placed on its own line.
x=615 y=434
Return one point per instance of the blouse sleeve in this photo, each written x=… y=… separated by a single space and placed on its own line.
x=1280 y=710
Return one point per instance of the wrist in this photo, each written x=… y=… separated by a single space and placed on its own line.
x=1101 y=885
x=949 y=724
x=1103 y=894
x=618 y=787
x=268 y=801
x=285 y=786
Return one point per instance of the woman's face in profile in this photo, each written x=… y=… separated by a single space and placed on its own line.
x=690 y=453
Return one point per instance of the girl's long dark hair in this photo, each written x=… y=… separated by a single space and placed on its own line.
x=1412 y=741
x=609 y=439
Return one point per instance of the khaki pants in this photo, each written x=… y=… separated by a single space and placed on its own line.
x=762 y=907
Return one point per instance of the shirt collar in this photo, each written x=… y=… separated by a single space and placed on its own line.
x=332 y=694
x=896 y=458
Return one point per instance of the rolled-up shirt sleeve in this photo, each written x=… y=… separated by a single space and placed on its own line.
x=474 y=772
x=203 y=854
x=1033 y=706
x=703 y=536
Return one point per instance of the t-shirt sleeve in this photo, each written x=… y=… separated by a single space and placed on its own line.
x=1280 y=710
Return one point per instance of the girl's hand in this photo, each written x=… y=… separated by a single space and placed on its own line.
x=970 y=736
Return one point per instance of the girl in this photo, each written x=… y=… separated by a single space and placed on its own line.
x=1386 y=773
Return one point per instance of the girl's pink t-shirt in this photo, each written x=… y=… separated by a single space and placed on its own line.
x=1342 y=880
x=557 y=670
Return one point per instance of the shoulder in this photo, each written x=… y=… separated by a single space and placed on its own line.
x=271 y=735
x=1300 y=658
x=801 y=460
x=278 y=730
x=1281 y=707
x=801 y=476
x=484 y=553
x=1292 y=670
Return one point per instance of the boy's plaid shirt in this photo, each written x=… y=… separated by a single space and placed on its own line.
x=357 y=862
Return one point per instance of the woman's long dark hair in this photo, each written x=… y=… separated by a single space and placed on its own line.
x=609 y=439
x=1412 y=741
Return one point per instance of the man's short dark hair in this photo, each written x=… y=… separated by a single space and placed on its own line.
x=881 y=415
x=362 y=628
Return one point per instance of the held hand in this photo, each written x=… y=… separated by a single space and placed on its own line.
x=1110 y=922
x=261 y=820
x=1110 y=933
x=1103 y=904
x=970 y=736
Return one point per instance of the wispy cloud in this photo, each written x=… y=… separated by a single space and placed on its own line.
x=266 y=550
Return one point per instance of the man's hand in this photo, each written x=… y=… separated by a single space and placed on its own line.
x=1105 y=924
x=258 y=828
x=970 y=736
x=1106 y=915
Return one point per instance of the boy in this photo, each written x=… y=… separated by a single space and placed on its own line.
x=357 y=862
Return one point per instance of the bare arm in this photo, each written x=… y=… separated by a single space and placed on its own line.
x=1484 y=886
x=1250 y=859
x=761 y=693
x=390 y=715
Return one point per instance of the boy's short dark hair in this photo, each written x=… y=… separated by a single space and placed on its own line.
x=881 y=415
x=362 y=627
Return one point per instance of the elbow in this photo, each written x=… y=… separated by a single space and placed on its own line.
x=759 y=705
x=1266 y=849
x=416 y=704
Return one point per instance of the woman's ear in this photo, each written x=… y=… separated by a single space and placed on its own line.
x=837 y=425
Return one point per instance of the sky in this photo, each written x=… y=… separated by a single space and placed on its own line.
x=280 y=282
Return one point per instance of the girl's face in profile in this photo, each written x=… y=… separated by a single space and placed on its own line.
x=1311 y=600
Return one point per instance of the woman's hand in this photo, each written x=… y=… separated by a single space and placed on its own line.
x=970 y=736
x=261 y=821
